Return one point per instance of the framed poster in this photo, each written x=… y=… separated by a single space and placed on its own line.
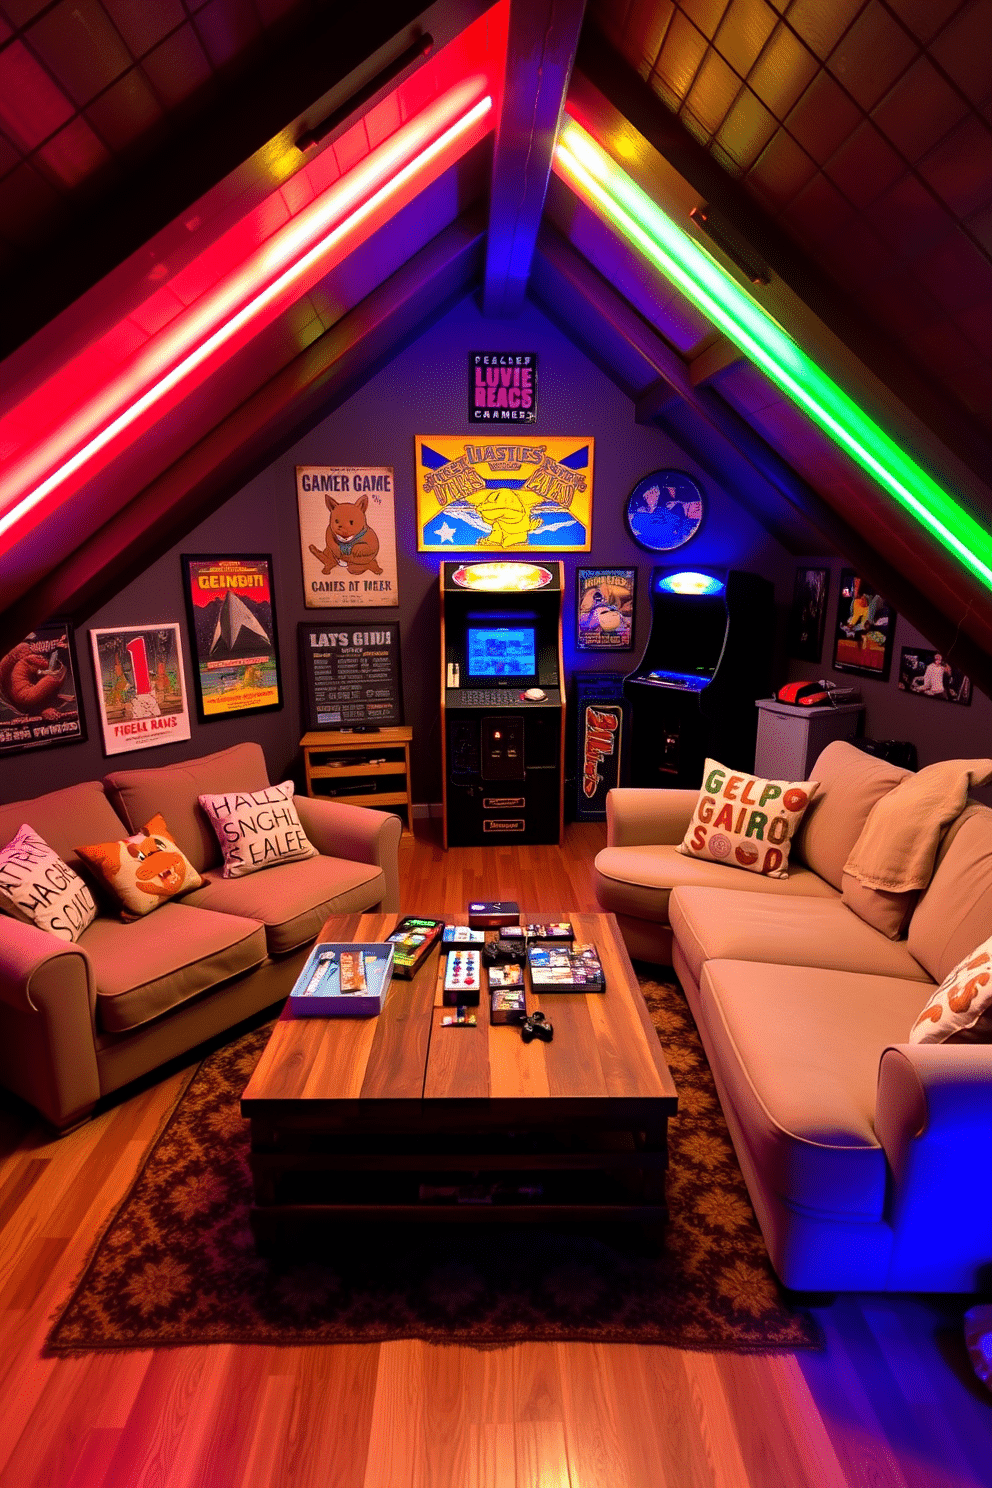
x=604 y=608
x=808 y=615
x=347 y=536
x=502 y=387
x=865 y=629
x=351 y=674
x=232 y=633
x=928 y=675
x=518 y=496
x=39 y=691
x=139 y=686
x=664 y=511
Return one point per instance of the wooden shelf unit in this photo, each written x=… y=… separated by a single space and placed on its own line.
x=328 y=757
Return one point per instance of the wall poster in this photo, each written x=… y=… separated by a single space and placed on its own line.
x=39 y=691
x=604 y=608
x=808 y=615
x=865 y=629
x=139 y=686
x=347 y=536
x=232 y=631
x=519 y=495
x=351 y=674
x=502 y=387
x=928 y=675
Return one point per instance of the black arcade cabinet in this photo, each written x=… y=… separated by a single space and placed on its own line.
x=707 y=658
x=502 y=703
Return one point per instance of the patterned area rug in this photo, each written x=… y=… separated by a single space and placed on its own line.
x=177 y=1264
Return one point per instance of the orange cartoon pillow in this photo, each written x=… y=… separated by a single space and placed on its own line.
x=142 y=871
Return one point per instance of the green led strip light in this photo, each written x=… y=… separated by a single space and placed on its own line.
x=597 y=178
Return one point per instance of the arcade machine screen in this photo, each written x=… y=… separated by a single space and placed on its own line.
x=496 y=651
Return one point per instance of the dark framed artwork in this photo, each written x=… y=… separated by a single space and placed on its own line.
x=232 y=631
x=665 y=510
x=865 y=629
x=39 y=691
x=604 y=608
x=927 y=674
x=808 y=616
x=351 y=674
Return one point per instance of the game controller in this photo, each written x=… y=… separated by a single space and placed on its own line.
x=536 y=1026
x=504 y=953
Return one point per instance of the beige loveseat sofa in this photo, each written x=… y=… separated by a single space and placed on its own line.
x=78 y=1021
x=866 y=1156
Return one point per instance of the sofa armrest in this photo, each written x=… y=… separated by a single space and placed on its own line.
x=642 y=817
x=933 y=1117
x=358 y=834
x=47 y=1023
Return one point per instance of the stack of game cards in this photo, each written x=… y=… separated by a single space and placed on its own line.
x=556 y=934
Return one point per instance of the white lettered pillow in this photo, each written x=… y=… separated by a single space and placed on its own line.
x=37 y=888
x=257 y=829
x=746 y=822
x=961 y=1007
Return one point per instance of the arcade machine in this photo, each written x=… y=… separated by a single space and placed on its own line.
x=692 y=693
x=502 y=702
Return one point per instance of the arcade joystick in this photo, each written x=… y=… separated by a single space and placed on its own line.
x=535 y=695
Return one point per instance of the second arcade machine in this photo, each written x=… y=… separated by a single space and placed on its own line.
x=502 y=702
x=707 y=658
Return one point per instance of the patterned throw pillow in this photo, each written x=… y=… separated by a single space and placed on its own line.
x=745 y=822
x=257 y=829
x=37 y=888
x=960 y=1010
x=142 y=871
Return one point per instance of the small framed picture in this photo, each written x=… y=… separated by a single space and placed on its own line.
x=232 y=633
x=604 y=608
x=928 y=675
x=664 y=511
x=39 y=691
x=865 y=629
x=808 y=615
x=139 y=686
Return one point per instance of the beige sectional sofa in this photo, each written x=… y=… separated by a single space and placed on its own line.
x=78 y=1021
x=866 y=1156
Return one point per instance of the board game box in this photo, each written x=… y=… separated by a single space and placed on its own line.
x=413 y=940
x=489 y=914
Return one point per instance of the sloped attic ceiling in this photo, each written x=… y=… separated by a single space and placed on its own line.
x=189 y=198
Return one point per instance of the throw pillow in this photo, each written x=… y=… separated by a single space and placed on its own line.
x=745 y=822
x=142 y=871
x=960 y=1010
x=37 y=888
x=257 y=829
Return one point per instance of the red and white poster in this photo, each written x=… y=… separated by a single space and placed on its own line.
x=140 y=687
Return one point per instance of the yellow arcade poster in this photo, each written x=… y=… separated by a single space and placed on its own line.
x=518 y=494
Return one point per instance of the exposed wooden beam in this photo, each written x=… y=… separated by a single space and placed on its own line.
x=540 y=53
x=713 y=360
x=254 y=434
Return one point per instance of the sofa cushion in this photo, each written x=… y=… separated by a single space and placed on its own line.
x=150 y=966
x=886 y=910
x=80 y=813
x=38 y=888
x=637 y=881
x=796 y=1050
x=172 y=790
x=850 y=782
x=746 y=822
x=293 y=900
x=954 y=913
x=139 y=873
x=961 y=1007
x=257 y=829
x=721 y=924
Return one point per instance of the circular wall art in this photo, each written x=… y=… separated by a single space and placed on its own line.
x=664 y=510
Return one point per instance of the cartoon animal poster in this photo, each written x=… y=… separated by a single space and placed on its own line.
x=140 y=687
x=347 y=536
x=39 y=694
x=514 y=495
x=604 y=608
x=232 y=630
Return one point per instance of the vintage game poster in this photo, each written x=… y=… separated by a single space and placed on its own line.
x=516 y=495
x=347 y=536
x=604 y=608
x=232 y=630
x=139 y=686
x=865 y=629
x=502 y=387
x=39 y=691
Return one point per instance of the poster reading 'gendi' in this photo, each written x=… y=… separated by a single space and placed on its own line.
x=347 y=536
x=515 y=494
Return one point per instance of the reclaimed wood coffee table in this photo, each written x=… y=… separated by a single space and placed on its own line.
x=396 y=1117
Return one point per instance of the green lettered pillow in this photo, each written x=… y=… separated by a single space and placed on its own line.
x=746 y=822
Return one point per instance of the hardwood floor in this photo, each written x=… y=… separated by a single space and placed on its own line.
x=890 y=1402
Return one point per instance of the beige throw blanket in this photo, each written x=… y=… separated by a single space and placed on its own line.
x=899 y=841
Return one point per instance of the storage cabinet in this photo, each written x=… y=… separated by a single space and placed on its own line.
x=363 y=769
x=790 y=737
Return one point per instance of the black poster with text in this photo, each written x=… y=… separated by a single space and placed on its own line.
x=351 y=675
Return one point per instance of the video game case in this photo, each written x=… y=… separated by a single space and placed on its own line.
x=507 y=1005
x=456 y=937
x=510 y=975
x=559 y=931
x=413 y=939
x=490 y=914
x=565 y=969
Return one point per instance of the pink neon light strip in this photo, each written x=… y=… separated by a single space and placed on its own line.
x=179 y=356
